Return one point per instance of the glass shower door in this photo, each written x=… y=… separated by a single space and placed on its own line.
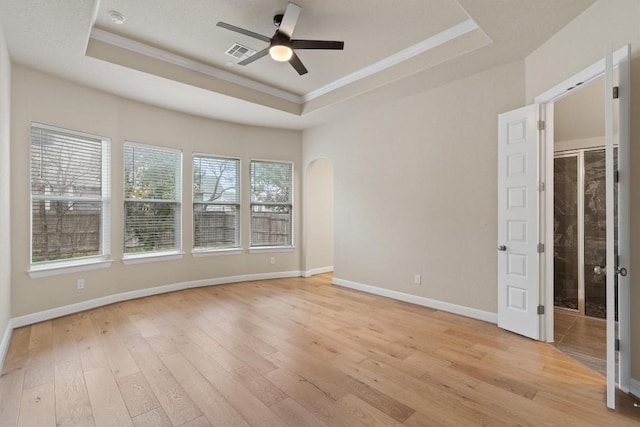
x=566 y=232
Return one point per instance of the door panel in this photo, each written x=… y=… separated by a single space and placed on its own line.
x=518 y=288
x=595 y=231
x=621 y=58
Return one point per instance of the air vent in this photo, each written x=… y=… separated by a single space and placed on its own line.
x=239 y=51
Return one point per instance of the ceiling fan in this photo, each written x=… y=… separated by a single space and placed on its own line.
x=281 y=46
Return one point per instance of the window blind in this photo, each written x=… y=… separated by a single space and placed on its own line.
x=271 y=203
x=69 y=195
x=216 y=202
x=152 y=178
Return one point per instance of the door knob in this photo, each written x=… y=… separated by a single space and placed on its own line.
x=502 y=248
x=621 y=271
x=600 y=269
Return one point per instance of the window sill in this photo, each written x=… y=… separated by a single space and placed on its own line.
x=270 y=249
x=152 y=257
x=216 y=252
x=67 y=267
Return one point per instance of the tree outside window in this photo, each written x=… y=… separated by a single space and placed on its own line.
x=152 y=199
x=271 y=203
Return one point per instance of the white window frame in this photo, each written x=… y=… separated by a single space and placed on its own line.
x=276 y=248
x=153 y=256
x=102 y=260
x=232 y=250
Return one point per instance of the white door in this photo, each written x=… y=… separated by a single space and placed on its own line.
x=518 y=287
x=617 y=261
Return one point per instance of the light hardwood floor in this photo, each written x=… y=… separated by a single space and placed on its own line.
x=296 y=352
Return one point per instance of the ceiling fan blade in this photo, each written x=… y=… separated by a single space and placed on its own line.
x=254 y=57
x=317 y=44
x=298 y=65
x=291 y=15
x=243 y=31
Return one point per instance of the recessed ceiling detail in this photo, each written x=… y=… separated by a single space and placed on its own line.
x=240 y=51
x=172 y=55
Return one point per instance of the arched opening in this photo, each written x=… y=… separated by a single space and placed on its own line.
x=318 y=217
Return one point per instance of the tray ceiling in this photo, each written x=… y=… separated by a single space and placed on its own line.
x=171 y=53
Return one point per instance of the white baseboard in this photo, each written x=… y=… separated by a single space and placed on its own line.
x=4 y=344
x=426 y=302
x=53 y=313
x=320 y=270
x=634 y=387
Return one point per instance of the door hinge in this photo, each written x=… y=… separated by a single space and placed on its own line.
x=540 y=248
x=541 y=125
x=617 y=344
x=616 y=176
x=541 y=309
x=541 y=186
x=616 y=92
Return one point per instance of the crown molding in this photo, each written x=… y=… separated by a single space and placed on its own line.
x=432 y=42
x=191 y=64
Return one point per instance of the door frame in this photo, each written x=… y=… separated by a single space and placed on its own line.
x=546 y=101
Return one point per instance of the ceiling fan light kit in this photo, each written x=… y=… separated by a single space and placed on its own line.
x=281 y=46
x=280 y=53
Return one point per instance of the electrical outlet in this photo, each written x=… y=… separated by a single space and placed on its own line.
x=80 y=284
x=273 y=260
x=417 y=279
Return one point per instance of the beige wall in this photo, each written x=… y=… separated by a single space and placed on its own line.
x=46 y=99
x=582 y=42
x=575 y=47
x=415 y=189
x=5 y=165
x=318 y=215
x=577 y=144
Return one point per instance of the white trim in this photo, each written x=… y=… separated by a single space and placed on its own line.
x=548 y=98
x=6 y=340
x=578 y=80
x=199 y=253
x=268 y=249
x=634 y=387
x=432 y=42
x=53 y=313
x=320 y=270
x=426 y=302
x=151 y=257
x=181 y=61
x=152 y=147
x=55 y=269
x=55 y=128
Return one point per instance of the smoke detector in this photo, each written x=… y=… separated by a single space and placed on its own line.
x=116 y=17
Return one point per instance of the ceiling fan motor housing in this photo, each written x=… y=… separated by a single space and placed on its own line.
x=280 y=39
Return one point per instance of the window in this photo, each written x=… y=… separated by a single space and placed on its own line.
x=69 y=197
x=152 y=192
x=216 y=203
x=271 y=203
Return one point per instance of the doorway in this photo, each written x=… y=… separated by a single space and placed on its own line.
x=580 y=255
x=526 y=215
x=615 y=69
x=318 y=221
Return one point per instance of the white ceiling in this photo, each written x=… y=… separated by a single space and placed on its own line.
x=170 y=53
